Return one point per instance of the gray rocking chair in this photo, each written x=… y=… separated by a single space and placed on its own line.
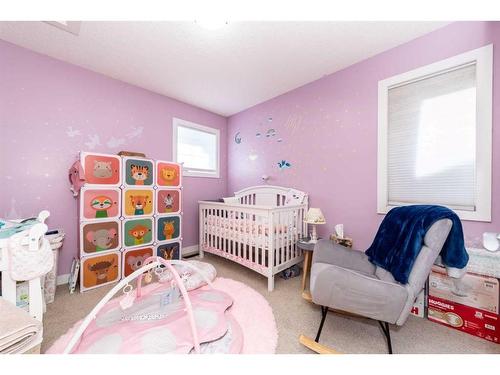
x=345 y=280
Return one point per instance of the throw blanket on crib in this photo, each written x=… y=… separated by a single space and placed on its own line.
x=401 y=235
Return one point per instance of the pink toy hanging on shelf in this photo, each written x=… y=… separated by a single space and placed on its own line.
x=76 y=178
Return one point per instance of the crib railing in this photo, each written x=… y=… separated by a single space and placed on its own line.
x=261 y=238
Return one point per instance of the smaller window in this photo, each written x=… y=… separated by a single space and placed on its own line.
x=197 y=147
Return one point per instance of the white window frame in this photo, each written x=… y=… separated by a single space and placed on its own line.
x=483 y=58
x=193 y=172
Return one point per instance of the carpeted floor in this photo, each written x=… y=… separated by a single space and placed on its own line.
x=294 y=316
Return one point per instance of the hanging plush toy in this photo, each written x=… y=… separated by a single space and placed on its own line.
x=76 y=178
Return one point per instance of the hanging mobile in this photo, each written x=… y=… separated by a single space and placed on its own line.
x=129 y=298
x=148 y=277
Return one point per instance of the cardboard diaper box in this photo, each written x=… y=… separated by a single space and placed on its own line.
x=467 y=319
x=480 y=292
x=419 y=308
x=470 y=304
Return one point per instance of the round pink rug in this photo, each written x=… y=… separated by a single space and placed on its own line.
x=260 y=336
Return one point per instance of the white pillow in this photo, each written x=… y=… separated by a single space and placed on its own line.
x=294 y=197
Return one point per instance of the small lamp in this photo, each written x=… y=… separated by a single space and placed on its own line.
x=314 y=216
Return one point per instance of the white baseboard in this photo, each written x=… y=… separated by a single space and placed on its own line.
x=62 y=279
x=190 y=250
x=186 y=251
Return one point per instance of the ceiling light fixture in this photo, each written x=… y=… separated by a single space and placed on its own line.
x=211 y=24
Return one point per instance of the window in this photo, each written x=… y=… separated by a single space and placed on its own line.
x=197 y=147
x=434 y=136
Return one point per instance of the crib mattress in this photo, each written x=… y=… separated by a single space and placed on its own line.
x=244 y=226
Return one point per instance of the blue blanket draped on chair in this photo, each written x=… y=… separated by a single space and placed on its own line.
x=400 y=238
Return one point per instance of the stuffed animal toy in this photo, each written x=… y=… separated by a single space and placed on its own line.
x=76 y=178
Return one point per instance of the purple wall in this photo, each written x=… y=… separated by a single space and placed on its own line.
x=329 y=133
x=50 y=110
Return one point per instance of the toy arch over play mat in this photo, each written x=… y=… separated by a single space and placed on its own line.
x=158 y=318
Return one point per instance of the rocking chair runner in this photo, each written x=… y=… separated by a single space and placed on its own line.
x=345 y=280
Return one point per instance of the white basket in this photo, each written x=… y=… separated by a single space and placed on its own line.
x=50 y=279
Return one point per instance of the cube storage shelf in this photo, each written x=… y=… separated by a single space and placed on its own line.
x=133 y=259
x=130 y=208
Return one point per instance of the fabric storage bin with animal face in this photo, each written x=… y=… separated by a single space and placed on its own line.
x=138 y=172
x=168 y=174
x=168 y=228
x=137 y=202
x=99 y=236
x=101 y=169
x=169 y=251
x=138 y=232
x=168 y=201
x=133 y=259
x=100 y=203
x=99 y=270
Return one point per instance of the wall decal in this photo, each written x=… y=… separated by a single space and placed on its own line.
x=237 y=138
x=279 y=140
x=115 y=142
x=293 y=123
x=135 y=132
x=93 y=141
x=257 y=134
x=270 y=119
x=284 y=165
x=72 y=132
x=270 y=133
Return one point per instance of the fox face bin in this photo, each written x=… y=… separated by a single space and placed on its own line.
x=138 y=232
x=102 y=239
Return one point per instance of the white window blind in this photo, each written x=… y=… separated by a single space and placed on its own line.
x=432 y=140
x=435 y=136
x=197 y=147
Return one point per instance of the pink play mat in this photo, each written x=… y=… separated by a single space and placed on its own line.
x=259 y=335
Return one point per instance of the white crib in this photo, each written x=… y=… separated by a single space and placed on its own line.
x=260 y=232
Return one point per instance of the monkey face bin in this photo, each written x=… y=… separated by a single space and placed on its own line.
x=173 y=308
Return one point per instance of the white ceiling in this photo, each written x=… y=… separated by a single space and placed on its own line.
x=225 y=70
